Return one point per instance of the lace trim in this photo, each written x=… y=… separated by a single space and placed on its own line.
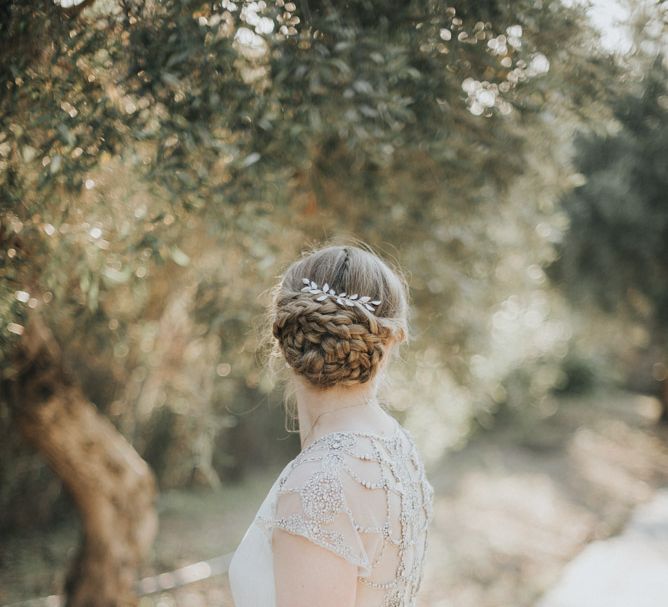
x=331 y=540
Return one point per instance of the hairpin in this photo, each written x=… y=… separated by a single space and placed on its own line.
x=341 y=298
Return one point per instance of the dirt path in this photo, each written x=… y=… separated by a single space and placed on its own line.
x=630 y=569
x=519 y=503
x=512 y=509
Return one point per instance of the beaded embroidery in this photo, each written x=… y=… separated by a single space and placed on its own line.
x=328 y=481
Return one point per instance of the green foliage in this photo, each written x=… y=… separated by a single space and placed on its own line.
x=616 y=248
x=160 y=162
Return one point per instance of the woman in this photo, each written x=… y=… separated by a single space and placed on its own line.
x=345 y=523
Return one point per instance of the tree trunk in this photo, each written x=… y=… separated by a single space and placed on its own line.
x=112 y=486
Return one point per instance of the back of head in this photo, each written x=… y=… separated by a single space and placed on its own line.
x=334 y=312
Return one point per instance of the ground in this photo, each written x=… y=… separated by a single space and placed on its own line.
x=512 y=509
x=628 y=569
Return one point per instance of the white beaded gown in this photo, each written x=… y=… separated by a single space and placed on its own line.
x=361 y=495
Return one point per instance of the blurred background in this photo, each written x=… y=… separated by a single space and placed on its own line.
x=162 y=162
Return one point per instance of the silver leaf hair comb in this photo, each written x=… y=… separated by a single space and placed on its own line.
x=341 y=298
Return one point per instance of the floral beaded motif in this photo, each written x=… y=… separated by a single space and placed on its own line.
x=322 y=497
x=331 y=482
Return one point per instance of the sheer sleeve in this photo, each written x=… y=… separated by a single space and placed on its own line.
x=322 y=498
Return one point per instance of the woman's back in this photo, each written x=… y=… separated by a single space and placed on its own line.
x=365 y=497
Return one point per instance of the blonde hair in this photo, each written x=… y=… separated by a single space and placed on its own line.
x=330 y=344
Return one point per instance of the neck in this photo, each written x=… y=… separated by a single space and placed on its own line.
x=335 y=409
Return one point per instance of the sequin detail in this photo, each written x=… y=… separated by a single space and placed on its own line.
x=331 y=484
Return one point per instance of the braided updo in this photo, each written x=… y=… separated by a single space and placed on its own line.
x=328 y=343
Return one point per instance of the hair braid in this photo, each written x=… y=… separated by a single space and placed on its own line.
x=328 y=344
x=343 y=268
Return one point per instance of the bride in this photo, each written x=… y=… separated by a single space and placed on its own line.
x=345 y=523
